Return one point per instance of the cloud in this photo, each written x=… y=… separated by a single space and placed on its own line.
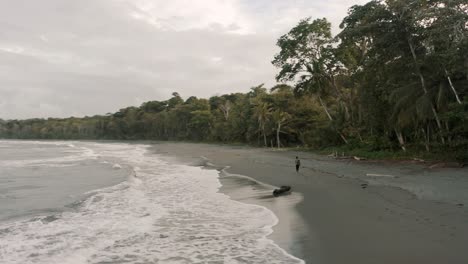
x=61 y=57
x=186 y=14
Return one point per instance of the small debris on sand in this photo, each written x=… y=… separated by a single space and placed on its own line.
x=379 y=175
x=446 y=165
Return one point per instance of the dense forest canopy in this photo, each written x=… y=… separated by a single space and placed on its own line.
x=394 y=78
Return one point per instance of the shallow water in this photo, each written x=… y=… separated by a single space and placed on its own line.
x=84 y=202
x=43 y=177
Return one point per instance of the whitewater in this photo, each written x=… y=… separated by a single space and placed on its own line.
x=157 y=211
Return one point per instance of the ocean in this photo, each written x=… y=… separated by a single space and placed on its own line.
x=88 y=202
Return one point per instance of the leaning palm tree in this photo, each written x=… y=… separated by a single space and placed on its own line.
x=411 y=109
x=280 y=118
x=262 y=112
x=315 y=81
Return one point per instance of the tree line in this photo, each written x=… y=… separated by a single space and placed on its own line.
x=395 y=78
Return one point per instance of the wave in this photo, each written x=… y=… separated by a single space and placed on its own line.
x=69 y=156
x=163 y=212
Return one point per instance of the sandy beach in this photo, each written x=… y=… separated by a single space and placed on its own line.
x=404 y=215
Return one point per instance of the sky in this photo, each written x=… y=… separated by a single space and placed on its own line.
x=61 y=58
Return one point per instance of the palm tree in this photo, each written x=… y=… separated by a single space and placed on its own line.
x=262 y=112
x=314 y=82
x=280 y=118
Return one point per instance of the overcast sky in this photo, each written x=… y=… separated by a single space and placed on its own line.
x=61 y=58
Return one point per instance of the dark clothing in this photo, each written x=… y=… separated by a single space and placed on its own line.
x=298 y=164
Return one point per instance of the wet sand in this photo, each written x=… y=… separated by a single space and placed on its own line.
x=290 y=227
x=331 y=218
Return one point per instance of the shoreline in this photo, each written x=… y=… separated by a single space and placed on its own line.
x=289 y=226
x=343 y=222
x=249 y=191
x=430 y=163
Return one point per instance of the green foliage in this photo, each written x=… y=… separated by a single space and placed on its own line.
x=392 y=83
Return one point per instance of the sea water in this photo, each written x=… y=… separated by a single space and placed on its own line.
x=85 y=202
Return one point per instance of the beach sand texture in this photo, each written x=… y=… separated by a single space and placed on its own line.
x=412 y=215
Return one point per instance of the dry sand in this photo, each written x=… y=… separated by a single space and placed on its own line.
x=330 y=218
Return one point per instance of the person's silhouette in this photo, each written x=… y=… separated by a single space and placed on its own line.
x=298 y=163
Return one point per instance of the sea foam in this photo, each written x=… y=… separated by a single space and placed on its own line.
x=163 y=213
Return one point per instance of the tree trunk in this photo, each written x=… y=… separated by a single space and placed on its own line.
x=423 y=86
x=360 y=137
x=331 y=119
x=426 y=138
x=338 y=92
x=447 y=128
x=401 y=140
x=225 y=108
x=302 y=138
x=453 y=88
x=264 y=135
x=359 y=113
x=340 y=96
x=343 y=137
x=278 y=135
x=325 y=108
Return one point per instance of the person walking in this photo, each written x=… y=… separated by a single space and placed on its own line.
x=298 y=164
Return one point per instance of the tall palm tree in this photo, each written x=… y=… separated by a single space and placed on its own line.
x=280 y=118
x=262 y=112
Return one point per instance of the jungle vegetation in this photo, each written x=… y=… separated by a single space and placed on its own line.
x=394 y=80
